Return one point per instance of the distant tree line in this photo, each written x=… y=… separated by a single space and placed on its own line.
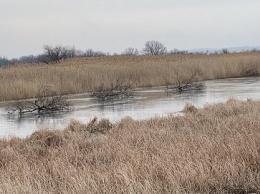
x=54 y=54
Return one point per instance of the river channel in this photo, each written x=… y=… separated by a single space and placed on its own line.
x=147 y=103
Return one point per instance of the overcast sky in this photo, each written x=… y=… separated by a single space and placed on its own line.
x=113 y=25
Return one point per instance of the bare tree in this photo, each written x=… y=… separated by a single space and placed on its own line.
x=130 y=52
x=122 y=88
x=100 y=54
x=185 y=81
x=57 y=53
x=115 y=54
x=154 y=48
x=176 y=52
x=67 y=52
x=91 y=53
x=43 y=58
x=28 y=59
x=4 y=61
x=53 y=53
x=225 y=51
x=46 y=101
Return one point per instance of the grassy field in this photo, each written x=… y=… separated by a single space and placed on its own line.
x=211 y=150
x=85 y=74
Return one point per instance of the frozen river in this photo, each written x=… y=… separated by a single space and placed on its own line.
x=146 y=103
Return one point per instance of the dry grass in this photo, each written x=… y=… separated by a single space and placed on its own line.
x=210 y=150
x=85 y=74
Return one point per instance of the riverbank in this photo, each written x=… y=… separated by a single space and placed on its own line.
x=209 y=150
x=82 y=75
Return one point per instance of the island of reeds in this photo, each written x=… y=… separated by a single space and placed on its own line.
x=85 y=74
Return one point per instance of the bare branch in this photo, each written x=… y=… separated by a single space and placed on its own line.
x=185 y=82
x=47 y=101
x=122 y=88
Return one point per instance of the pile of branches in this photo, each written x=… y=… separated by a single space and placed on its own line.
x=186 y=82
x=122 y=88
x=187 y=86
x=47 y=101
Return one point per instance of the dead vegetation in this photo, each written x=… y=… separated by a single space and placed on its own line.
x=93 y=127
x=121 y=88
x=47 y=101
x=209 y=150
x=79 y=75
x=185 y=80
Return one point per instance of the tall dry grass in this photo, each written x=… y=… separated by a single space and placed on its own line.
x=210 y=150
x=85 y=74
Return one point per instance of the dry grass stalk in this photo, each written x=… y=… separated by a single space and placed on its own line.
x=210 y=150
x=85 y=74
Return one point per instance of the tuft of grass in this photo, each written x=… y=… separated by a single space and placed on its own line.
x=81 y=75
x=209 y=150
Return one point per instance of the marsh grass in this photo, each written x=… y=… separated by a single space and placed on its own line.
x=211 y=150
x=85 y=74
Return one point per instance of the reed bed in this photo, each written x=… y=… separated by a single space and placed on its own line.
x=211 y=150
x=81 y=75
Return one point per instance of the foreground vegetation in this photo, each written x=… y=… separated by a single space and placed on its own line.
x=79 y=75
x=209 y=150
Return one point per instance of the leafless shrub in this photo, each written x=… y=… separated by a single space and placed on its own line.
x=122 y=88
x=185 y=81
x=47 y=101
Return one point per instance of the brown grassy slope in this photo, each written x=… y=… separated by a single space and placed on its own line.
x=210 y=150
x=85 y=74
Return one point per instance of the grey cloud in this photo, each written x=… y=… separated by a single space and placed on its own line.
x=113 y=25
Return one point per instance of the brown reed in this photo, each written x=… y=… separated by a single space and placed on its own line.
x=81 y=75
x=211 y=150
